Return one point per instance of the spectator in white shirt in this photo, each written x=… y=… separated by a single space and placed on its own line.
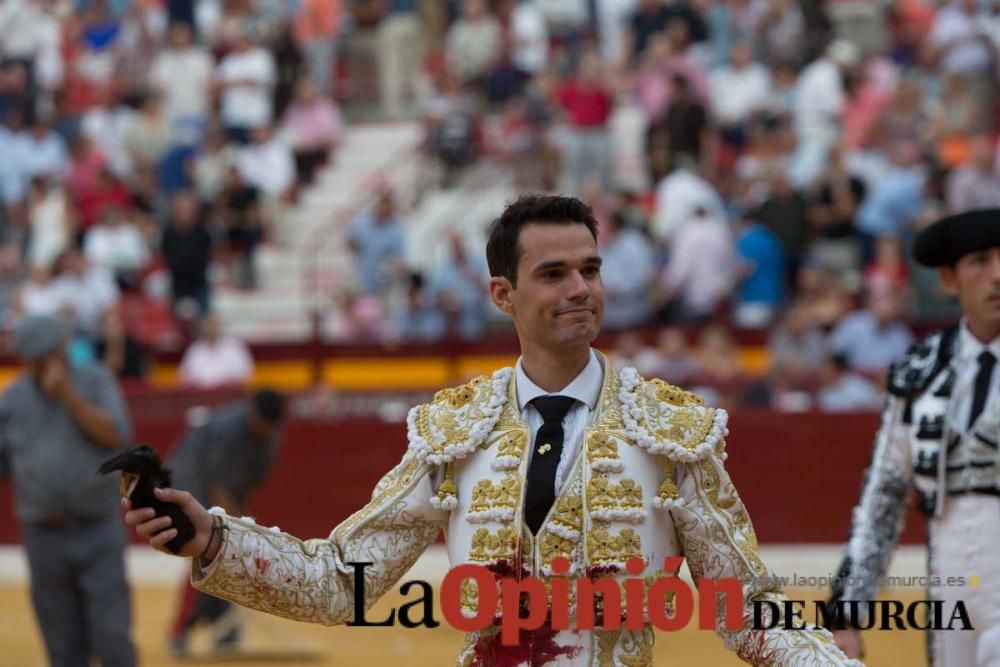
x=215 y=360
x=39 y=151
x=820 y=97
x=246 y=78
x=699 y=275
x=267 y=164
x=51 y=222
x=473 y=42
x=957 y=41
x=116 y=244
x=678 y=196
x=739 y=89
x=86 y=291
x=528 y=33
x=109 y=127
x=182 y=74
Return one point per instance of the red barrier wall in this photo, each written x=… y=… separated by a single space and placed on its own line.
x=799 y=475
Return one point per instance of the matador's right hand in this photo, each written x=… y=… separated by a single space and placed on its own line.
x=158 y=531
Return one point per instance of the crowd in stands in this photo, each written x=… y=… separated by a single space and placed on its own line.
x=754 y=164
x=147 y=148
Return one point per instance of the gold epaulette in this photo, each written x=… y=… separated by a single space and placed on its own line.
x=457 y=420
x=670 y=421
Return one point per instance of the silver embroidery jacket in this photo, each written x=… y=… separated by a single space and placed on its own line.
x=649 y=483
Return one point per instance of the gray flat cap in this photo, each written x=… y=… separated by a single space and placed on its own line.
x=38 y=335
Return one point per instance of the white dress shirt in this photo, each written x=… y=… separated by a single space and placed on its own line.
x=585 y=388
x=966 y=364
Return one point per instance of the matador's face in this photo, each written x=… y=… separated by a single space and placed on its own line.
x=975 y=280
x=559 y=297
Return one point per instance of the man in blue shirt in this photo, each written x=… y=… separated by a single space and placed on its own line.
x=377 y=240
x=763 y=287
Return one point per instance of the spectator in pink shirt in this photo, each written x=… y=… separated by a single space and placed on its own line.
x=216 y=360
x=314 y=126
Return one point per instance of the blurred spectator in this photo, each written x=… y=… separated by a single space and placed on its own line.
x=187 y=250
x=12 y=277
x=783 y=212
x=211 y=164
x=670 y=359
x=182 y=76
x=39 y=294
x=400 y=52
x=242 y=216
x=797 y=346
x=682 y=133
x=678 y=197
x=612 y=28
x=873 y=338
x=51 y=223
x=354 y=318
x=117 y=244
x=698 y=276
x=976 y=183
x=149 y=135
x=37 y=152
x=739 y=90
x=831 y=212
x=527 y=34
x=418 y=317
x=627 y=352
x=887 y=273
x=376 y=237
x=93 y=192
x=628 y=273
x=460 y=285
x=451 y=123
x=653 y=17
x=845 y=391
x=822 y=294
x=894 y=201
x=763 y=264
x=718 y=357
x=85 y=291
x=317 y=29
x=121 y=353
x=108 y=127
x=661 y=64
x=215 y=360
x=473 y=42
x=960 y=116
x=819 y=103
x=568 y=22
x=957 y=43
x=246 y=77
x=780 y=29
x=314 y=127
x=267 y=164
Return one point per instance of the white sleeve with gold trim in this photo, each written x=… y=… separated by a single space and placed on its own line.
x=713 y=527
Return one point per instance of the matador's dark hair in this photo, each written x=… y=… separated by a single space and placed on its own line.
x=502 y=249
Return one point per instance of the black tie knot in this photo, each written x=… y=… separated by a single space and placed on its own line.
x=553 y=408
x=987 y=360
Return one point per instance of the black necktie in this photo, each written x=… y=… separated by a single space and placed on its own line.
x=986 y=363
x=541 y=493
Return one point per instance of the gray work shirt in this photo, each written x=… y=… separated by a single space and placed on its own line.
x=52 y=461
x=222 y=453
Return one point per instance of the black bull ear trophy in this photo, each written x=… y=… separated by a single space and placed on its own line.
x=142 y=471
